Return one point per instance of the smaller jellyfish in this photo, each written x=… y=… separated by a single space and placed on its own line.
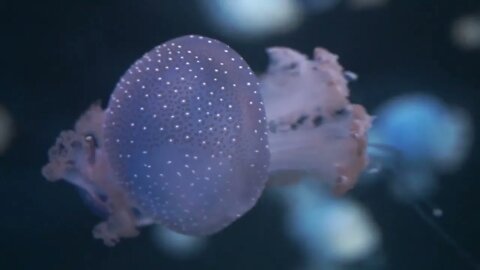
x=182 y=143
x=313 y=127
x=252 y=19
x=465 y=32
x=177 y=245
x=423 y=137
x=6 y=129
x=331 y=231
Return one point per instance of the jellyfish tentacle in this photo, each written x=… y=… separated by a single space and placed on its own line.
x=78 y=157
x=315 y=128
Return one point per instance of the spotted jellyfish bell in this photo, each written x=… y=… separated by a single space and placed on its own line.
x=313 y=127
x=182 y=143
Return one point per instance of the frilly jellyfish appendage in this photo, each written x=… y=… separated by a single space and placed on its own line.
x=312 y=125
x=183 y=143
x=78 y=156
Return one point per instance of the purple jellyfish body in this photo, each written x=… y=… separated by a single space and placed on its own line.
x=182 y=143
x=185 y=132
x=184 y=140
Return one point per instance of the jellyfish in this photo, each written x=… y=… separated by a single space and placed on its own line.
x=420 y=137
x=465 y=32
x=330 y=231
x=313 y=128
x=190 y=138
x=415 y=138
x=182 y=143
x=177 y=245
x=251 y=19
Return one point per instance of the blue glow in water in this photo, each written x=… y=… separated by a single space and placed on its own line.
x=424 y=135
x=330 y=230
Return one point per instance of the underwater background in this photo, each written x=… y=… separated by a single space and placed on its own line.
x=59 y=57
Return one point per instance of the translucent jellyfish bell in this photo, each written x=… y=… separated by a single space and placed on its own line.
x=331 y=231
x=426 y=135
x=182 y=143
x=252 y=19
x=177 y=245
x=465 y=32
x=313 y=127
x=197 y=126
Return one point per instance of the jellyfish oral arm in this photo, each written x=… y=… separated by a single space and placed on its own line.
x=333 y=152
x=83 y=163
x=313 y=127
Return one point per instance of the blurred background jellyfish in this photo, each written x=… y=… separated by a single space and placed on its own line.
x=6 y=129
x=465 y=32
x=332 y=232
x=252 y=19
x=177 y=245
x=418 y=136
